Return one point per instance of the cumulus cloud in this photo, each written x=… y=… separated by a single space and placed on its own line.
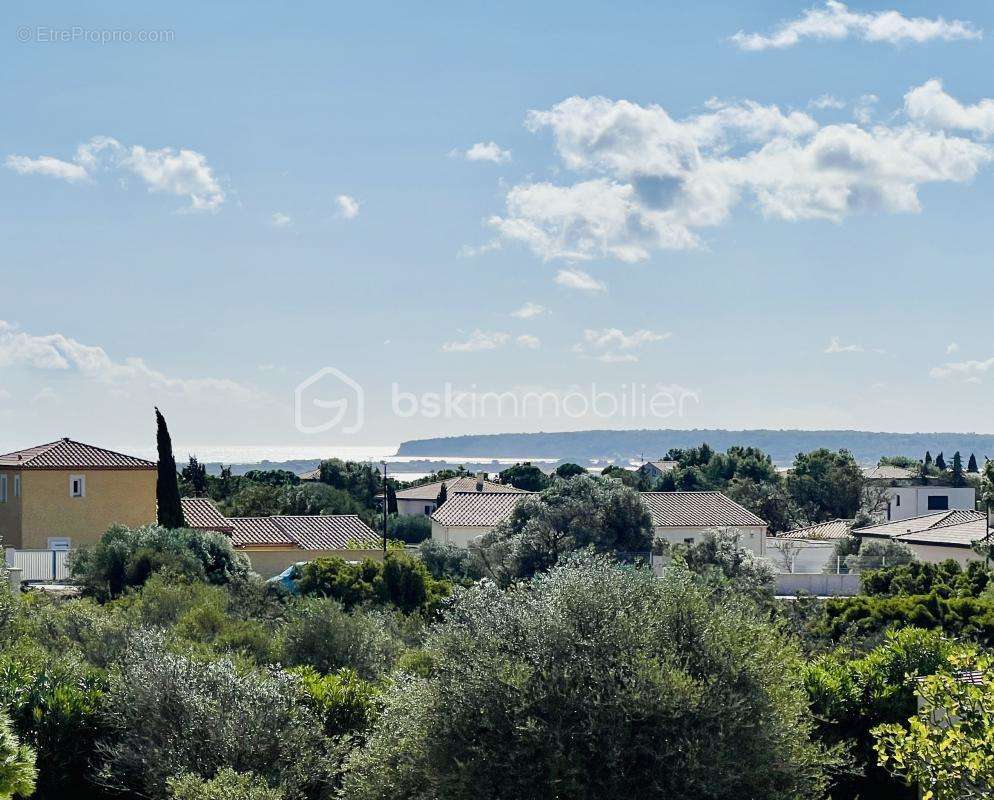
x=827 y=101
x=951 y=348
x=579 y=280
x=529 y=341
x=62 y=353
x=835 y=346
x=932 y=106
x=484 y=151
x=179 y=172
x=612 y=345
x=969 y=371
x=529 y=310
x=650 y=182
x=281 y=220
x=348 y=207
x=478 y=340
x=835 y=22
x=863 y=110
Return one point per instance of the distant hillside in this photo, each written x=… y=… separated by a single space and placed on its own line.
x=620 y=446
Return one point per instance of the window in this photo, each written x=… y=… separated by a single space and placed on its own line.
x=59 y=544
x=428 y=510
x=77 y=486
x=689 y=540
x=17 y=486
x=3 y=488
x=938 y=502
x=897 y=501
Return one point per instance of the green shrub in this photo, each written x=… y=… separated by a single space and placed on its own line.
x=347 y=703
x=947 y=579
x=128 y=557
x=400 y=581
x=225 y=785
x=17 y=764
x=170 y=715
x=319 y=633
x=409 y=528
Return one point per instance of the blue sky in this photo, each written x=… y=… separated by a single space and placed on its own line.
x=281 y=190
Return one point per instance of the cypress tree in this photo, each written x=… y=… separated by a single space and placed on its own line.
x=940 y=463
x=166 y=484
x=443 y=495
x=958 y=479
x=972 y=465
x=391 y=499
x=928 y=460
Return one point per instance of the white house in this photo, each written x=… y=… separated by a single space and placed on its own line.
x=905 y=502
x=684 y=518
x=808 y=549
x=937 y=536
x=423 y=499
x=657 y=468
x=466 y=516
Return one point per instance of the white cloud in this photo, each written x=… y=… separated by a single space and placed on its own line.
x=5 y=395
x=529 y=310
x=469 y=251
x=478 y=340
x=62 y=353
x=835 y=346
x=863 y=109
x=650 y=182
x=46 y=165
x=529 y=341
x=484 y=151
x=184 y=173
x=580 y=280
x=827 y=101
x=951 y=348
x=931 y=105
x=46 y=395
x=836 y=22
x=968 y=370
x=348 y=207
x=281 y=220
x=613 y=345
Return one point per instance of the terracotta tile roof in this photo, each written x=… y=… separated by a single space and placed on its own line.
x=888 y=472
x=950 y=528
x=200 y=512
x=330 y=532
x=833 y=529
x=429 y=491
x=478 y=509
x=663 y=465
x=697 y=510
x=311 y=475
x=67 y=454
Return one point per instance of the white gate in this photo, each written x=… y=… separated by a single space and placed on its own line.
x=40 y=565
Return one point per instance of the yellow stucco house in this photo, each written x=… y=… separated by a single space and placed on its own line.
x=64 y=494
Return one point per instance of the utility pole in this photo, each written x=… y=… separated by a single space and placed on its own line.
x=386 y=503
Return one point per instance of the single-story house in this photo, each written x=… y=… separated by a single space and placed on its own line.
x=810 y=548
x=423 y=499
x=657 y=468
x=63 y=494
x=274 y=543
x=466 y=516
x=937 y=536
x=905 y=502
x=684 y=518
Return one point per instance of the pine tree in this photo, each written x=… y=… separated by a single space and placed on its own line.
x=972 y=465
x=195 y=474
x=443 y=495
x=940 y=463
x=957 y=478
x=166 y=484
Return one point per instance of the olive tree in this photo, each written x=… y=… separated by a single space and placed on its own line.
x=595 y=681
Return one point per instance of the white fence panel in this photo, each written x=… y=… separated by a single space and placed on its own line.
x=40 y=565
